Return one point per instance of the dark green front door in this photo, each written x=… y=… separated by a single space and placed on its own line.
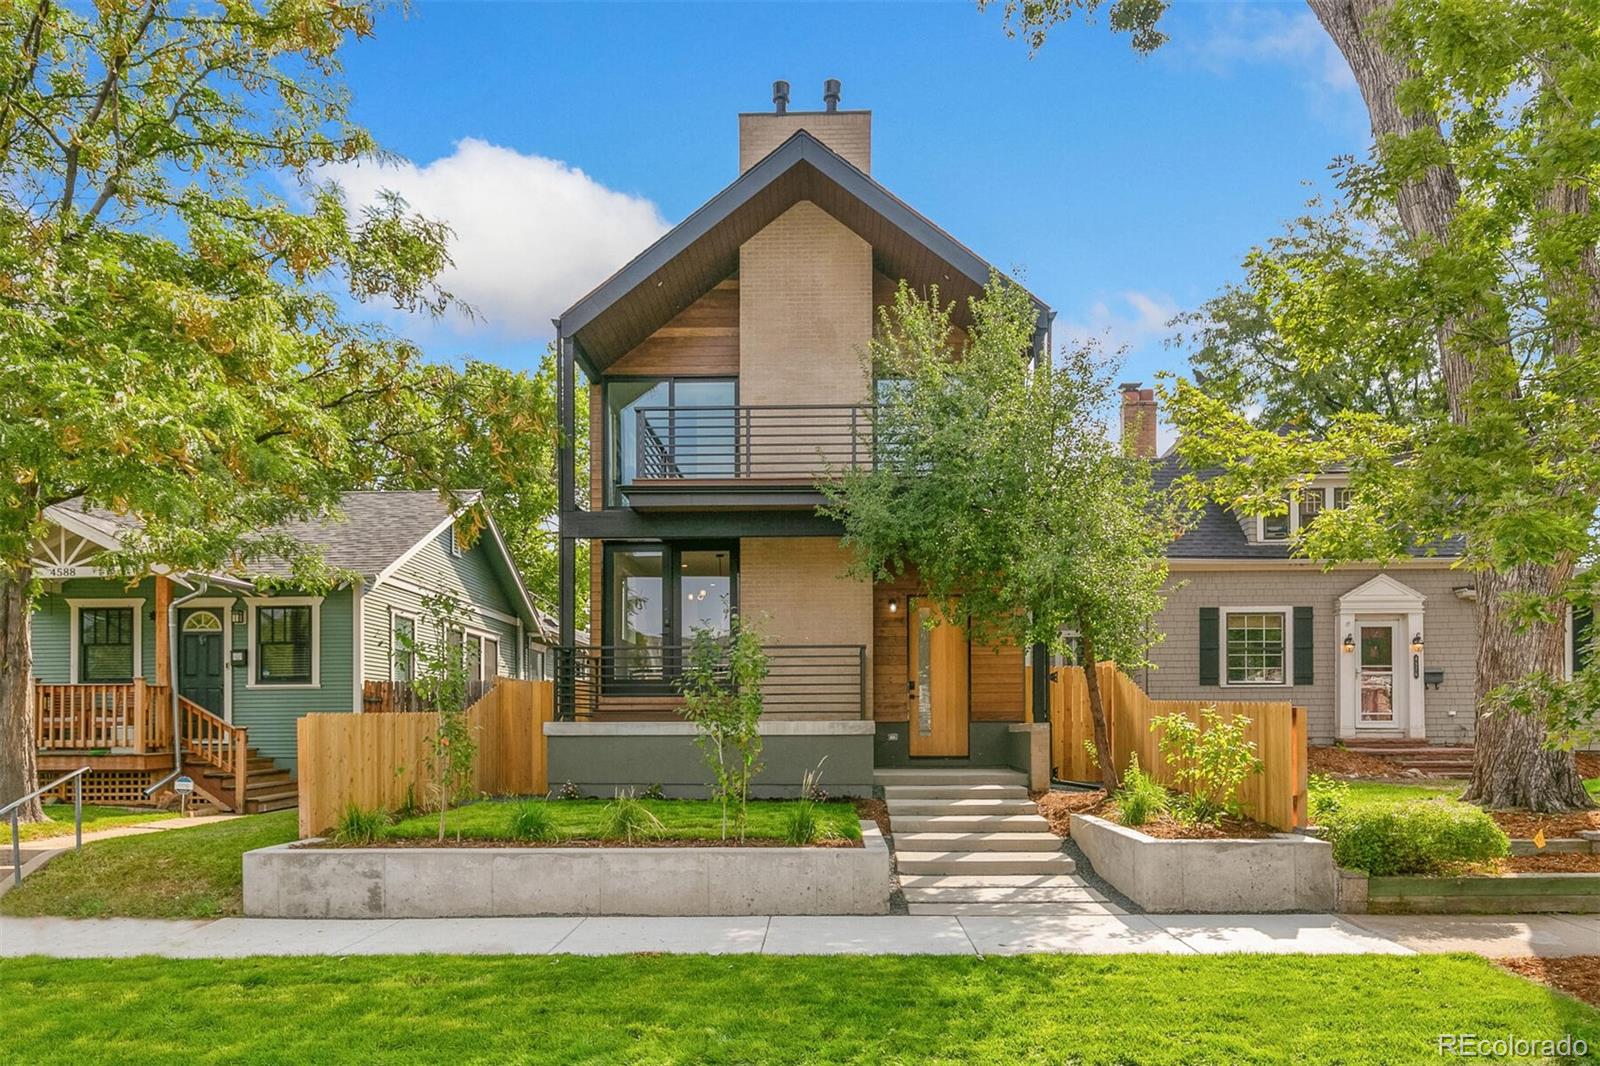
x=200 y=657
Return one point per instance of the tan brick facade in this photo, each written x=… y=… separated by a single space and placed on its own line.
x=1451 y=639
x=848 y=133
x=796 y=590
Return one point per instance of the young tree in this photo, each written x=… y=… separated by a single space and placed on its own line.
x=442 y=686
x=722 y=696
x=997 y=484
x=172 y=341
x=1486 y=121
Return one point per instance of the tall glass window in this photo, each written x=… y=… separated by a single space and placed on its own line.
x=635 y=611
x=705 y=593
x=687 y=430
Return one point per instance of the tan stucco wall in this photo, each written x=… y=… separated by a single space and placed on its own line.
x=848 y=133
x=796 y=590
x=1450 y=625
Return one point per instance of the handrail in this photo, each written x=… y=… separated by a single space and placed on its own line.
x=784 y=443
x=13 y=809
x=216 y=741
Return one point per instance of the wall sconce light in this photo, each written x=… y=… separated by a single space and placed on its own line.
x=894 y=605
x=238 y=615
x=1416 y=643
x=1349 y=644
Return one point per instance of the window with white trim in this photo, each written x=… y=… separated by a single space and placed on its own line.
x=1301 y=509
x=105 y=644
x=1255 y=647
x=403 y=641
x=283 y=645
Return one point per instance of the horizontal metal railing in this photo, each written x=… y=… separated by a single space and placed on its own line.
x=803 y=680
x=795 y=443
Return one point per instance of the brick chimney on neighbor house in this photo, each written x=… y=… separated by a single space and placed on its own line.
x=847 y=132
x=1138 y=420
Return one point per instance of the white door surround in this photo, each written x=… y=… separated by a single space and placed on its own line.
x=1388 y=611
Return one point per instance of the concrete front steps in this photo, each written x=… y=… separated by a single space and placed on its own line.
x=972 y=842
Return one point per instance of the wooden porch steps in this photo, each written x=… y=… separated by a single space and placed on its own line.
x=266 y=787
x=1435 y=760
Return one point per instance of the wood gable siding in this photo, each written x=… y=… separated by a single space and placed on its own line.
x=470 y=579
x=701 y=340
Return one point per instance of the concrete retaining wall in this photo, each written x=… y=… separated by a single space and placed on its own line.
x=1284 y=872
x=601 y=757
x=287 y=881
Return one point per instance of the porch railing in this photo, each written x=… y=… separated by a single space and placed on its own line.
x=132 y=716
x=214 y=742
x=803 y=680
x=783 y=443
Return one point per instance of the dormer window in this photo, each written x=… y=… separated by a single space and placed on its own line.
x=1275 y=526
x=1311 y=503
x=1303 y=507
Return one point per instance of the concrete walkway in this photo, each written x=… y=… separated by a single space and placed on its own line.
x=1317 y=934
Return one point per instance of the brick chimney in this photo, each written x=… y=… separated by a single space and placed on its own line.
x=847 y=132
x=1138 y=420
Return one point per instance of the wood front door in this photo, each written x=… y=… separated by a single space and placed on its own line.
x=200 y=672
x=937 y=682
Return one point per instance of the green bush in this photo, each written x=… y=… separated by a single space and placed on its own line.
x=625 y=818
x=1325 y=798
x=531 y=821
x=359 y=826
x=1210 y=759
x=1141 y=796
x=1420 y=837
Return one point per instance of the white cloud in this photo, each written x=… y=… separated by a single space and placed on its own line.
x=532 y=235
x=1127 y=320
x=1250 y=33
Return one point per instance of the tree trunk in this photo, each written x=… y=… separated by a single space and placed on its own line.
x=1097 y=712
x=19 y=764
x=1512 y=765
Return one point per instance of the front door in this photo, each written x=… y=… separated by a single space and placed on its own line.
x=937 y=682
x=200 y=657
x=1380 y=675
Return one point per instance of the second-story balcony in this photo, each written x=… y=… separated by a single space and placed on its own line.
x=743 y=455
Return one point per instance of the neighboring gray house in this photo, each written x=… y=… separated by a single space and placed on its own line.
x=1373 y=653
x=110 y=658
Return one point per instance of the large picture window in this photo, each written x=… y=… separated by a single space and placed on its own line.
x=657 y=597
x=105 y=644
x=687 y=425
x=1255 y=650
x=284 y=645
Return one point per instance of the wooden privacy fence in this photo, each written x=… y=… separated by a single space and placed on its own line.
x=1276 y=796
x=373 y=760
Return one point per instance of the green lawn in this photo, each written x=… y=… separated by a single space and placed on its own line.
x=584 y=819
x=1379 y=792
x=60 y=823
x=1062 y=1009
x=184 y=873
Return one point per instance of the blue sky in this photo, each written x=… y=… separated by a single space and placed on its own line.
x=1124 y=188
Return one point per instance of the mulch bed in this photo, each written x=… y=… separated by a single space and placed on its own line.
x=1553 y=862
x=1578 y=975
x=1523 y=824
x=1059 y=807
x=465 y=842
x=1589 y=763
x=874 y=810
x=1342 y=762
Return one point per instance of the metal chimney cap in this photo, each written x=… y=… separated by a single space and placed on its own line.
x=830 y=94
x=780 y=96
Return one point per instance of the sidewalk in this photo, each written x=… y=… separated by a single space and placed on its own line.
x=1317 y=934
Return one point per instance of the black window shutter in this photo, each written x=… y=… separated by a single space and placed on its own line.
x=1582 y=622
x=1305 y=646
x=1210 y=651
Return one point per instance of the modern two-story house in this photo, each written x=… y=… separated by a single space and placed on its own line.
x=214 y=669
x=723 y=372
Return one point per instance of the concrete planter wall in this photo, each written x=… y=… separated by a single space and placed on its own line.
x=286 y=881
x=601 y=757
x=1284 y=872
x=1516 y=893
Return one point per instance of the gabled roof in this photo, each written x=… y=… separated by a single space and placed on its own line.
x=1218 y=535
x=373 y=534
x=703 y=249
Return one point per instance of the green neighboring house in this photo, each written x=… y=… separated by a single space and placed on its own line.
x=113 y=660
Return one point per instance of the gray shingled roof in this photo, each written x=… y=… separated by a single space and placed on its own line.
x=374 y=529
x=1218 y=535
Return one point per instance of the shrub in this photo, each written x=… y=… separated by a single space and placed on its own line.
x=1210 y=760
x=531 y=821
x=1420 y=837
x=359 y=826
x=654 y=792
x=1325 y=798
x=625 y=818
x=1141 y=796
x=569 y=791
